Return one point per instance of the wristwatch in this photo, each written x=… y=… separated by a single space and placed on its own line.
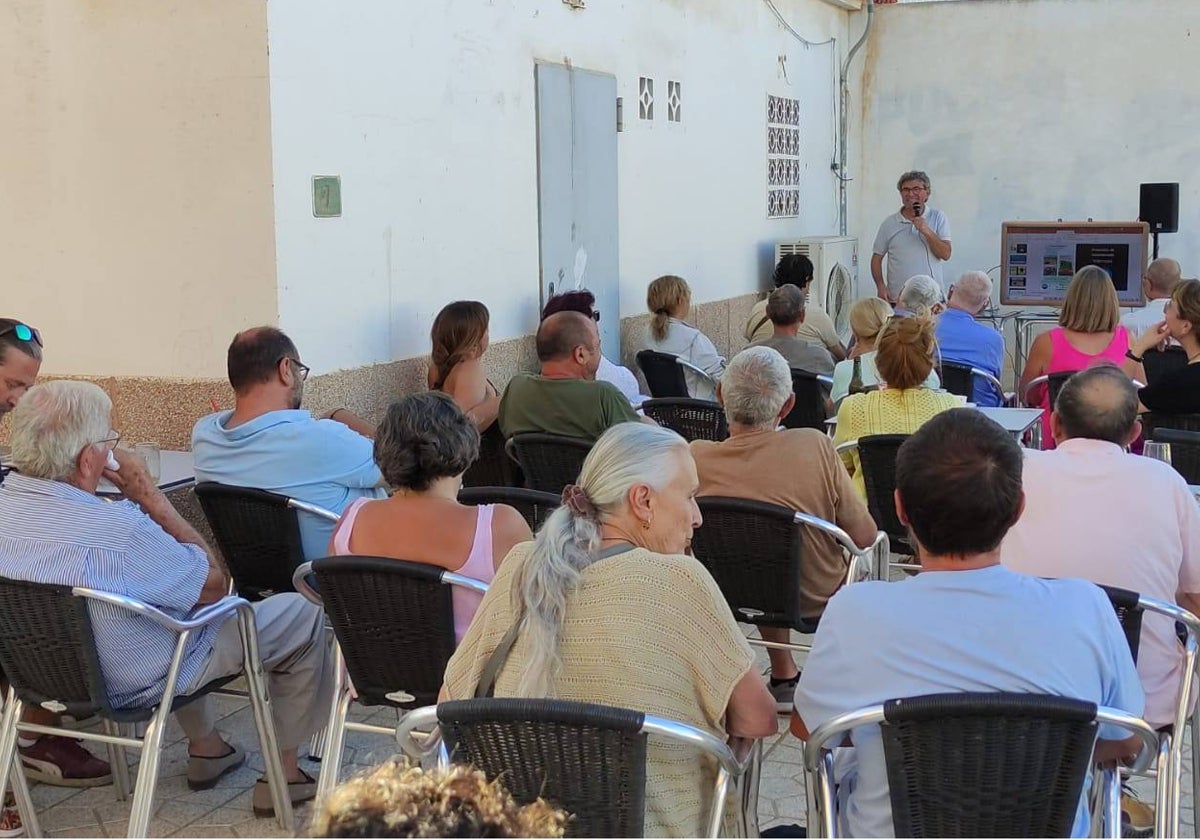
x=1129 y=355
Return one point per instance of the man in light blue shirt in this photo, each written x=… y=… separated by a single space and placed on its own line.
x=269 y=443
x=915 y=240
x=965 y=341
x=965 y=623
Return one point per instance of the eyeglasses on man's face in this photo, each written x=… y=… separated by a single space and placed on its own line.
x=301 y=368
x=111 y=442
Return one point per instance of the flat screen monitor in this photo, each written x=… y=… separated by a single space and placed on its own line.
x=1038 y=259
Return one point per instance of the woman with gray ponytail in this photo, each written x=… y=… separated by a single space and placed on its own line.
x=606 y=606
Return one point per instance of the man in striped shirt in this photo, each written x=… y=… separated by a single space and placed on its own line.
x=53 y=529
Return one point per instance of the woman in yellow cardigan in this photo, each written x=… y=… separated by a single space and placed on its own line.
x=904 y=359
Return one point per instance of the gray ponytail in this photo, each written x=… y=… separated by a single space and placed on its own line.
x=569 y=541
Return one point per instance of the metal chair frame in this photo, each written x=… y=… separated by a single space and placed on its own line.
x=151 y=744
x=819 y=762
x=684 y=364
x=1047 y=379
x=1170 y=747
x=739 y=771
x=339 y=709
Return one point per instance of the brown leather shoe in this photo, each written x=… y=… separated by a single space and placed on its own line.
x=61 y=761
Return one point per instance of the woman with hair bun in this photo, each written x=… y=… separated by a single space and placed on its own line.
x=605 y=606
x=904 y=359
x=422 y=447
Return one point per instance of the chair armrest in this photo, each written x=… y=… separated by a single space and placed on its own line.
x=455 y=579
x=300 y=584
x=838 y=534
x=696 y=370
x=315 y=510
x=846 y=446
x=1033 y=383
x=424 y=719
x=684 y=733
x=827 y=381
x=1138 y=727
x=202 y=617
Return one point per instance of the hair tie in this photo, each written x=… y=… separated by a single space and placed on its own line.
x=577 y=501
x=662 y=311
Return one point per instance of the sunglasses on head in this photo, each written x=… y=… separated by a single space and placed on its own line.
x=23 y=332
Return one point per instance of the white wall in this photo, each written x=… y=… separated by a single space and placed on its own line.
x=1034 y=110
x=426 y=110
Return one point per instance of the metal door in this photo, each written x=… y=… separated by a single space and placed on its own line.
x=577 y=189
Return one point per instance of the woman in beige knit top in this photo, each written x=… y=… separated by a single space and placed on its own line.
x=615 y=612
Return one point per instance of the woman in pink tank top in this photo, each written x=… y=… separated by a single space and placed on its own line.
x=1089 y=333
x=422 y=447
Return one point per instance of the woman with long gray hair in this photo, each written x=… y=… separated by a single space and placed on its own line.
x=605 y=606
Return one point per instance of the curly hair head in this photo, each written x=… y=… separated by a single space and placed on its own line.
x=424 y=437
x=394 y=800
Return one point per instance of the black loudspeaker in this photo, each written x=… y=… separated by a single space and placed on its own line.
x=1159 y=207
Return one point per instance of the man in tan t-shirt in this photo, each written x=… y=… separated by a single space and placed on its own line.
x=797 y=270
x=795 y=468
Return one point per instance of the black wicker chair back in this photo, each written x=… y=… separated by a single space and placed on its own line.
x=1054 y=383
x=258 y=534
x=394 y=621
x=589 y=760
x=1154 y=421
x=754 y=552
x=877 y=455
x=493 y=467
x=1017 y=762
x=534 y=505
x=664 y=376
x=691 y=419
x=958 y=379
x=1160 y=363
x=1129 y=614
x=550 y=462
x=47 y=648
x=809 y=410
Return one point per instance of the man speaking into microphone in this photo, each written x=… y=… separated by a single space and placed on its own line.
x=916 y=240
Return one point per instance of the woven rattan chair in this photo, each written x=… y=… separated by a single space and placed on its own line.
x=664 y=374
x=755 y=553
x=48 y=652
x=587 y=759
x=1185 y=451
x=1130 y=608
x=493 y=467
x=979 y=765
x=258 y=532
x=534 y=505
x=877 y=457
x=1053 y=383
x=809 y=411
x=1155 y=420
x=1161 y=363
x=394 y=623
x=690 y=419
x=550 y=462
x=960 y=379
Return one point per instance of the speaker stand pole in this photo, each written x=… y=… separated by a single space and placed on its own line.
x=1155 y=235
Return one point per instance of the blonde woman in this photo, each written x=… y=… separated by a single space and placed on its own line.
x=867 y=318
x=1089 y=332
x=903 y=404
x=669 y=300
x=598 y=609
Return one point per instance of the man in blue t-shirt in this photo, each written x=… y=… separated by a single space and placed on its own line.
x=964 y=340
x=269 y=443
x=965 y=623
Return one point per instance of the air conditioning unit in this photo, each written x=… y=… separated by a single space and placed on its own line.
x=835 y=275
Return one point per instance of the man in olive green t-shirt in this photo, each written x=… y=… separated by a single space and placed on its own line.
x=565 y=398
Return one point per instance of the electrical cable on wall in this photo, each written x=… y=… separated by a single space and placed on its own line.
x=794 y=33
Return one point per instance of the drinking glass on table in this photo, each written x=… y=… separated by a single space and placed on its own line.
x=1158 y=450
x=152 y=455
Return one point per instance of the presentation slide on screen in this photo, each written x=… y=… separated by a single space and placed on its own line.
x=1040 y=261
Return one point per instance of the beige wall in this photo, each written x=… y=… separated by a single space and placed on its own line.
x=137 y=218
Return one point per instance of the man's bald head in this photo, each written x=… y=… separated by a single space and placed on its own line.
x=561 y=333
x=1099 y=403
x=1162 y=276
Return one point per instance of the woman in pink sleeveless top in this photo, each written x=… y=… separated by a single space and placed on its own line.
x=422 y=447
x=1089 y=333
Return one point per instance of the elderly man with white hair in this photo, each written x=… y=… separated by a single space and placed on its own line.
x=55 y=530
x=921 y=295
x=795 y=468
x=963 y=340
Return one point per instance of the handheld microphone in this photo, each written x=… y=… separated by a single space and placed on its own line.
x=918 y=208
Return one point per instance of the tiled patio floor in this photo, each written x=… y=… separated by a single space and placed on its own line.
x=225 y=810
